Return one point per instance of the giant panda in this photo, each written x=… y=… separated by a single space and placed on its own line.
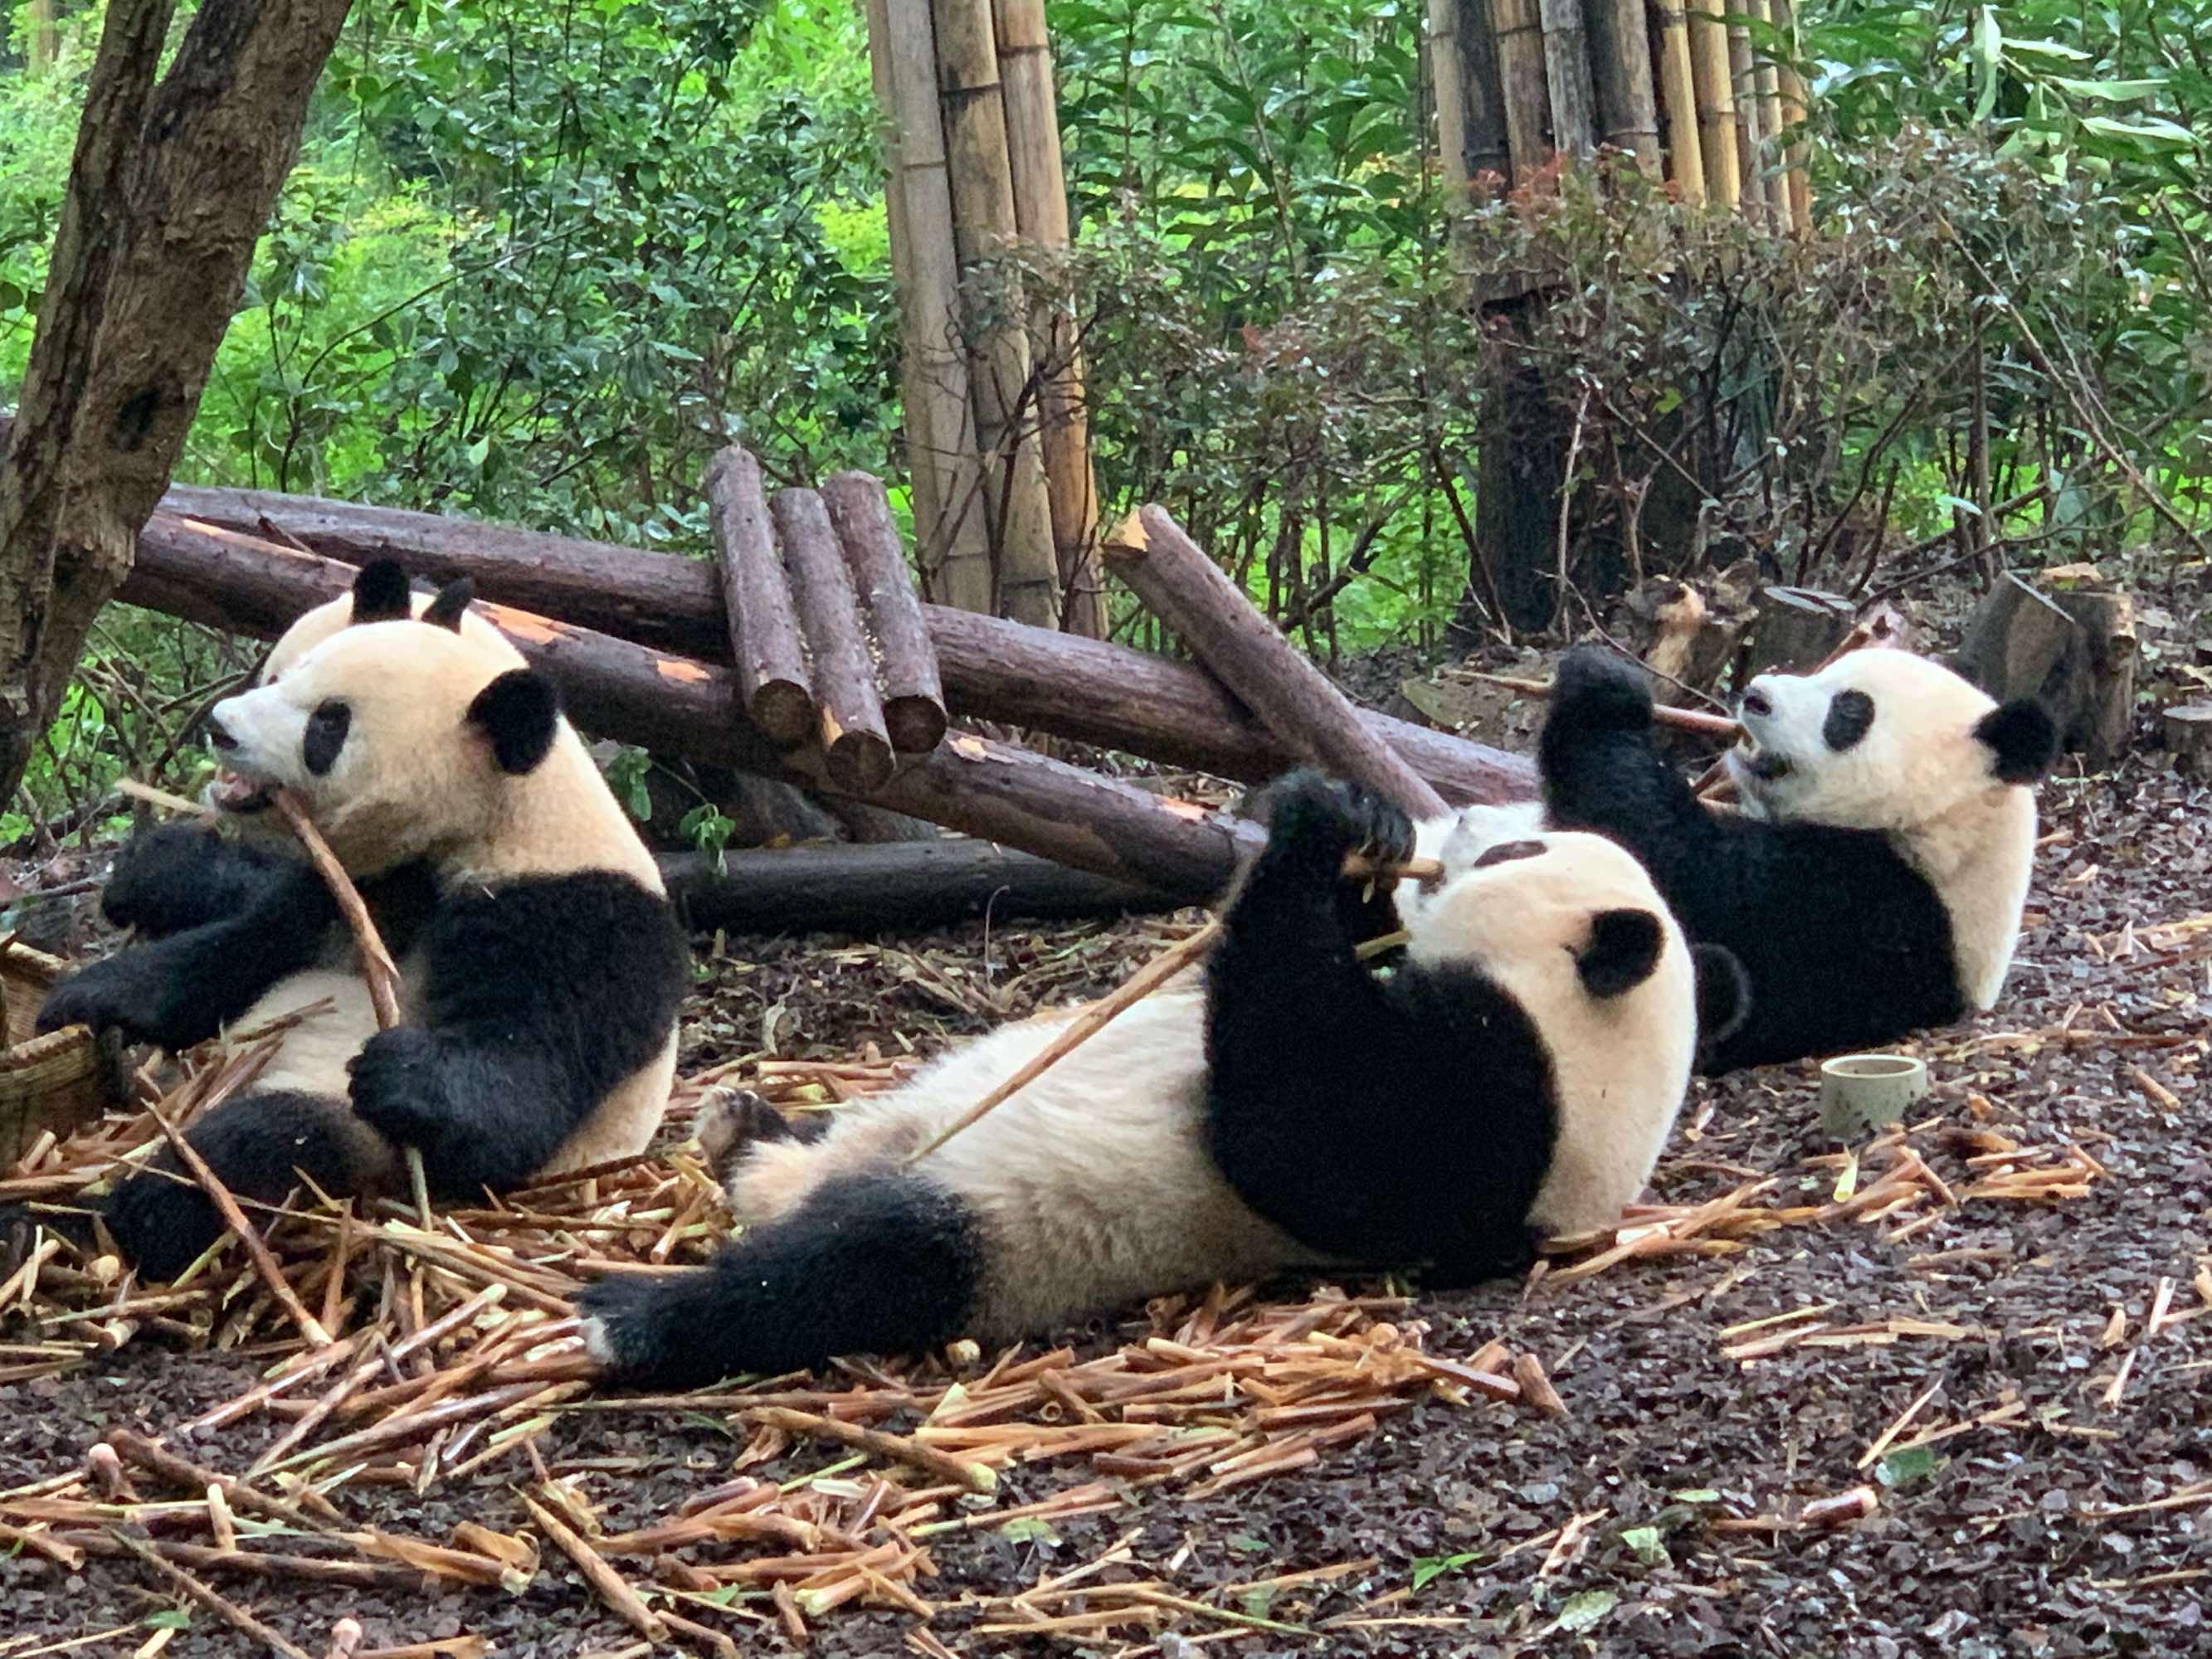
x=1872 y=884
x=541 y=963
x=1515 y=1066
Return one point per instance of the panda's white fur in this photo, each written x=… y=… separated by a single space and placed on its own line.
x=1874 y=882
x=541 y=966
x=1102 y=1182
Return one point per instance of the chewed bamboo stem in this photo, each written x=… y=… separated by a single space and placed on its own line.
x=1095 y=1017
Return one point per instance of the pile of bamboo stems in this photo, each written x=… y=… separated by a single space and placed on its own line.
x=1695 y=98
x=997 y=435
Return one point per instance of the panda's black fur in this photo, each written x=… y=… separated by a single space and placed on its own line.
x=535 y=997
x=1846 y=940
x=1518 y=1064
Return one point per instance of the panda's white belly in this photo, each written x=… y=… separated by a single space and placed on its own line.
x=1092 y=1187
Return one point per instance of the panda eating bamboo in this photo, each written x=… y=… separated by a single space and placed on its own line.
x=1511 y=1069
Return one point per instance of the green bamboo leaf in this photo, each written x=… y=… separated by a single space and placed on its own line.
x=2112 y=92
x=2143 y=130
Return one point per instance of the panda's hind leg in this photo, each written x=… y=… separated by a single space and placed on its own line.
x=734 y=1120
x=258 y=1145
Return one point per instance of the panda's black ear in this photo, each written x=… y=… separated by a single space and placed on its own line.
x=520 y=712
x=380 y=592
x=1623 y=948
x=1724 y=994
x=451 y=602
x=2022 y=737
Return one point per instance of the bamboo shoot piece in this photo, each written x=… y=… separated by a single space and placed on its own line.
x=764 y=638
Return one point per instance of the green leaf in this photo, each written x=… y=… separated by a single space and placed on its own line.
x=1429 y=1567
x=1648 y=1545
x=2112 y=92
x=1581 y=1612
x=1906 y=1465
x=1244 y=1544
x=170 y=1619
x=1029 y=1530
x=1696 y=1495
x=2142 y=128
x=2048 y=49
x=1988 y=52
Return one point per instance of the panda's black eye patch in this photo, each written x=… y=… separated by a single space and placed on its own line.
x=1506 y=852
x=1850 y=717
x=326 y=735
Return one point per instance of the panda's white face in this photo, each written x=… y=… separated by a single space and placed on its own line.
x=397 y=737
x=1879 y=739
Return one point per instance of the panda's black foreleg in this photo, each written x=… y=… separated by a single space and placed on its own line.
x=258 y=1145
x=183 y=989
x=879 y=1262
x=180 y=876
x=1601 y=770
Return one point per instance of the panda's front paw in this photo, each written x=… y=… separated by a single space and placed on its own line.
x=1594 y=685
x=162 y=879
x=398 y=1088
x=125 y=994
x=629 y=1325
x=161 y=1219
x=1331 y=817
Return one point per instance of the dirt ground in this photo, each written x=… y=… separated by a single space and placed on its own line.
x=2048 y=1490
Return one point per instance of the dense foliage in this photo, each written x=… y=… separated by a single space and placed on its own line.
x=537 y=262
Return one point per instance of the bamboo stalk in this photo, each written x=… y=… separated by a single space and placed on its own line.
x=1743 y=88
x=1567 y=77
x=1516 y=30
x=955 y=541
x=377 y=967
x=1791 y=89
x=1775 y=172
x=1470 y=107
x=1678 y=103
x=224 y=1609
x=1016 y=505
x=611 y=1587
x=1716 y=104
x=942 y=1465
x=1620 y=76
x=1040 y=182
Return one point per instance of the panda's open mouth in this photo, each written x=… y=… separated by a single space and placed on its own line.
x=1751 y=764
x=233 y=792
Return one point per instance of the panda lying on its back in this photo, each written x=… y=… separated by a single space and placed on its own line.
x=1517 y=1066
x=1872 y=884
x=541 y=965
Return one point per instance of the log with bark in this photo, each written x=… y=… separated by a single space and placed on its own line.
x=679 y=706
x=856 y=749
x=928 y=884
x=913 y=693
x=765 y=643
x=1794 y=629
x=2072 y=649
x=1086 y=690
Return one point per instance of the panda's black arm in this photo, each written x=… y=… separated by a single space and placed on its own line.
x=1601 y=770
x=180 y=876
x=541 y=996
x=183 y=989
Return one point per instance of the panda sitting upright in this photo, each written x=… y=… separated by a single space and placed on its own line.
x=1517 y=1065
x=541 y=964
x=1872 y=884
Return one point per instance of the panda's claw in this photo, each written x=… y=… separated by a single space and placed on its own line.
x=1333 y=818
x=627 y=1325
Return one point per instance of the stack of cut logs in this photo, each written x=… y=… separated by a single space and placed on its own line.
x=807 y=657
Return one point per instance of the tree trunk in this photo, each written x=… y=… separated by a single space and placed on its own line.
x=169 y=189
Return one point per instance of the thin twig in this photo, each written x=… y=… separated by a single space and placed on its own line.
x=237 y=1617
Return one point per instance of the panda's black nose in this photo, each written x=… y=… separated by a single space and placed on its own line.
x=1755 y=702
x=218 y=736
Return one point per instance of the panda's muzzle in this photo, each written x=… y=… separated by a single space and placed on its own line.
x=233 y=792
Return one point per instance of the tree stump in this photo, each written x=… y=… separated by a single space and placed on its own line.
x=2075 y=652
x=1686 y=636
x=2189 y=735
x=1793 y=630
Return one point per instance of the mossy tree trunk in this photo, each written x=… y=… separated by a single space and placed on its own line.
x=170 y=187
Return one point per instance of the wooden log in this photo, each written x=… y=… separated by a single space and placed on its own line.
x=984 y=225
x=1621 y=78
x=955 y=545
x=1677 y=99
x=678 y=706
x=764 y=638
x=1086 y=690
x=1041 y=214
x=1516 y=31
x=1223 y=628
x=1470 y=107
x=912 y=695
x=1716 y=104
x=1791 y=87
x=909 y=883
x=855 y=748
x=1567 y=77
x=2188 y=728
x=1795 y=628
x=2072 y=650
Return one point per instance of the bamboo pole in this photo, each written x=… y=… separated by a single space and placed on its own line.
x=1773 y=168
x=1743 y=89
x=1620 y=76
x=1470 y=107
x=1516 y=27
x=949 y=527
x=1567 y=77
x=1791 y=88
x=1041 y=213
x=1678 y=103
x=1709 y=70
x=1016 y=505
